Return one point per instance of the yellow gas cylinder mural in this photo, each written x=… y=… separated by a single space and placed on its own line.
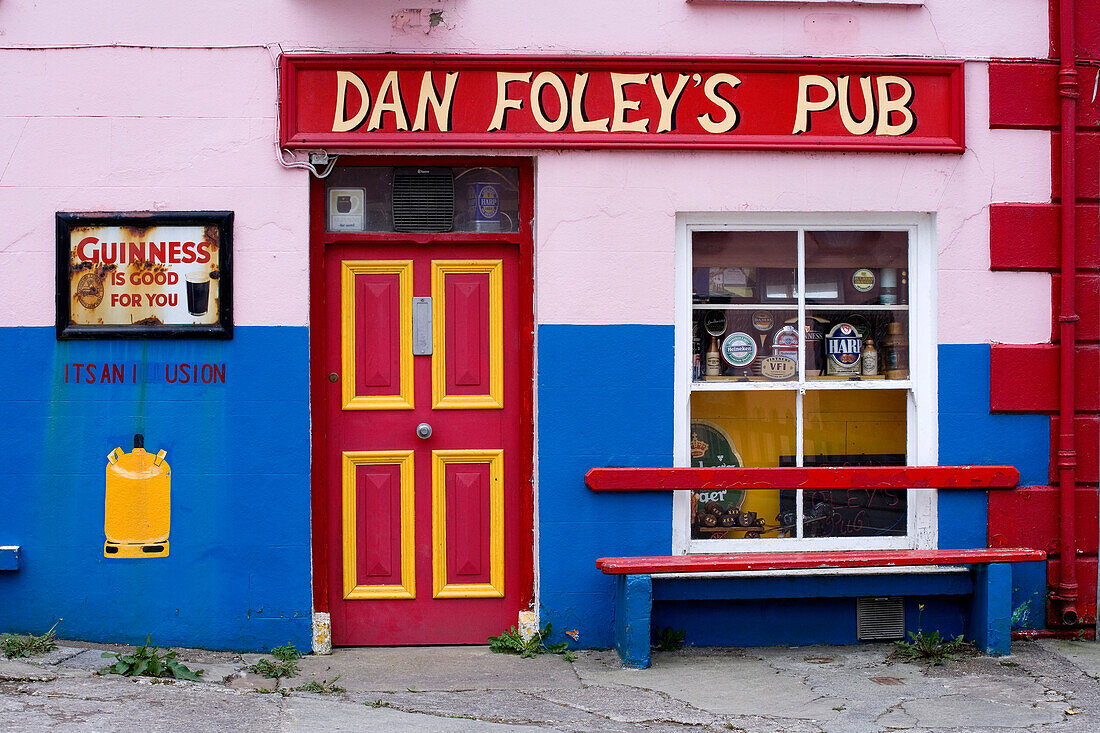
x=137 y=506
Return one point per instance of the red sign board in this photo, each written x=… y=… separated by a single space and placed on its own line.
x=406 y=101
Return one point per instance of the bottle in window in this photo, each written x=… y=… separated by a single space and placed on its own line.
x=714 y=358
x=869 y=358
x=896 y=347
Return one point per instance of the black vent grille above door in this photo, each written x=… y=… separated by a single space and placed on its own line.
x=423 y=200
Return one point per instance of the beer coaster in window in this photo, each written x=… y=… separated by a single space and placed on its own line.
x=762 y=321
x=785 y=343
x=863 y=280
x=860 y=324
x=843 y=346
x=778 y=367
x=739 y=349
x=715 y=323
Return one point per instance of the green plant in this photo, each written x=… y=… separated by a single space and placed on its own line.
x=16 y=645
x=287 y=666
x=266 y=691
x=377 y=704
x=324 y=687
x=512 y=642
x=146 y=662
x=286 y=652
x=669 y=639
x=275 y=670
x=931 y=647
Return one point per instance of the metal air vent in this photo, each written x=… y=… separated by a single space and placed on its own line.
x=423 y=200
x=880 y=619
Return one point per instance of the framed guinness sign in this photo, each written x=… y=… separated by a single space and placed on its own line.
x=144 y=275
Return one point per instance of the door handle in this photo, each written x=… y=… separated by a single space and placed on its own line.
x=424 y=431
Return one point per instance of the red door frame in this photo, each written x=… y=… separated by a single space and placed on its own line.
x=319 y=370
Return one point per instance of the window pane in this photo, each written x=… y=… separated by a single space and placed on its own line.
x=433 y=198
x=859 y=283
x=740 y=429
x=745 y=321
x=854 y=428
x=357 y=199
x=486 y=199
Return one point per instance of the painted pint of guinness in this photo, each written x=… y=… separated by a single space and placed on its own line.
x=198 y=292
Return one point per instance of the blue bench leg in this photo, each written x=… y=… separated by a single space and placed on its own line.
x=991 y=608
x=633 y=608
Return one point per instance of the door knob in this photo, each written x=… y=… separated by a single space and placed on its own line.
x=333 y=377
x=424 y=430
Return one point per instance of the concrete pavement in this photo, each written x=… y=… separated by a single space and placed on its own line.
x=1045 y=685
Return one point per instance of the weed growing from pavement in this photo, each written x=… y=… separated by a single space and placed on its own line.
x=669 y=639
x=324 y=687
x=379 y=703
x=15 y=646
x=145 y=661
x=931 y=647
x=286 y=652
x=266 y=691
x=275 y=670
x=287 y=666
x=512 y=642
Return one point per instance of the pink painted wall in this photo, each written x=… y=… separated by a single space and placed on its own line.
x=967 y=28
x=189 y=128
x=136 y=129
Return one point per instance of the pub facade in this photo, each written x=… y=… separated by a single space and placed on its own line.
x=334 y=307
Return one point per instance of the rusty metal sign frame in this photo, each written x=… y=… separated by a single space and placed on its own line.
x=67 y=221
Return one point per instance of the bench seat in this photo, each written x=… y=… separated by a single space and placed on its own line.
x=694 y=577
x=801 y=560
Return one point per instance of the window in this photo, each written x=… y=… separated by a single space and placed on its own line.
x=423 y=198
x=805 y=340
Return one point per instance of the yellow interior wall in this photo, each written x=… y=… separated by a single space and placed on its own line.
x=854 y=422
x=761 y=425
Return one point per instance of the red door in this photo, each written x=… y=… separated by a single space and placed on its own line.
x=427 y=455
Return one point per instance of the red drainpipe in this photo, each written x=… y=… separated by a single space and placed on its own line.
x=1065 y=594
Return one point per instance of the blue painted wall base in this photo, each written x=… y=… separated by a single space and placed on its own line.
x=238 y=574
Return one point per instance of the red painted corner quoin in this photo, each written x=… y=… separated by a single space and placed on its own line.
x=1024 y=378
x=1062 y=377
x=1025 y=237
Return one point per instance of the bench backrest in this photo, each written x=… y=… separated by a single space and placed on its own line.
x=847 y=477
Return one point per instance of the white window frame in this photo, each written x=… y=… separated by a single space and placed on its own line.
x=922 y=430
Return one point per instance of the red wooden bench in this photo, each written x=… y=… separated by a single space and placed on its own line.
x=699 y=577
